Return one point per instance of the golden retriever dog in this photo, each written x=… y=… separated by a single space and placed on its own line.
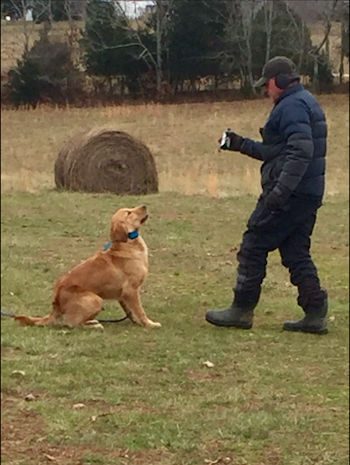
x=114 y=274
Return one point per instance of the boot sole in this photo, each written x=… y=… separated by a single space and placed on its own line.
x=231 y=325
x=304 y=330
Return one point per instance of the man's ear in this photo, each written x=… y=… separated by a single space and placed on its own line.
x=119 y=232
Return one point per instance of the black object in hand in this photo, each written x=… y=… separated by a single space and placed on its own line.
x=230 y=141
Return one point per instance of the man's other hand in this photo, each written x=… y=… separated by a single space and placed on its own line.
x=277 y=198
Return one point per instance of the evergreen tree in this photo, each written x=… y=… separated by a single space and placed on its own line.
x=195 y=39
x=110 y=48
x=44 y=73
x=24 y=83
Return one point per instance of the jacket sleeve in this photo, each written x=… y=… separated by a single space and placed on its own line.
x=259 y=150
x=252 y=148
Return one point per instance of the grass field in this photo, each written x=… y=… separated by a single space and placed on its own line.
x=133 y=396
x=272 y=398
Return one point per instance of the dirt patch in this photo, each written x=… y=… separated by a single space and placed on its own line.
x=21 y=431
x=24 y=440
x=202 y=375
x=272 y=455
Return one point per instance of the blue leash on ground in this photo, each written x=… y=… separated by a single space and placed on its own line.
x=7 y=315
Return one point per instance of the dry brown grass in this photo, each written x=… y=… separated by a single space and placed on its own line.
x=182 y=138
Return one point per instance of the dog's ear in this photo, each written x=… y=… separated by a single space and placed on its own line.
x=119 y=232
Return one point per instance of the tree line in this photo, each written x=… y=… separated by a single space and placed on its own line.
x=175 y=46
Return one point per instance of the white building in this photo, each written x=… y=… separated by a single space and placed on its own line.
x=29 y=14
x=135 y=8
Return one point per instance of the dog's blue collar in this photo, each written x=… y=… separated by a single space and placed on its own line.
x=131 y=235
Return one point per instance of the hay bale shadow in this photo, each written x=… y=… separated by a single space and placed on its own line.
x=104 y=160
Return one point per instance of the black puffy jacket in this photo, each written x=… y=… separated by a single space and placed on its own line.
x=294 y=146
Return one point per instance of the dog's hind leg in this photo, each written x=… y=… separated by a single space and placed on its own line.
x=81 y=309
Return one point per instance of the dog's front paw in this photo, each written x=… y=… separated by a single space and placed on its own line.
x=153 y=324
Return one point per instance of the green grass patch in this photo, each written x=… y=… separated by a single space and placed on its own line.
x=271 y=398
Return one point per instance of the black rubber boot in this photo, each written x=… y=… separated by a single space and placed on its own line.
x=232 y=316
x=314 y=321
x=240 y=313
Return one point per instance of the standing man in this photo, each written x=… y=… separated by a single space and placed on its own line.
x=293 y=178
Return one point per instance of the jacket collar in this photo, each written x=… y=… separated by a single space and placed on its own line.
x=289 y=91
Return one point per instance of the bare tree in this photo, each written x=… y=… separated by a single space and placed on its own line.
x=70 y=9
x=162 y=12
x=238 y=17
x=21 y=9
x=317 y=11
x=248 y=9
x=49 y=11
x=300 y=33
x=153 y=60
x=343 y=14
x=327 y=15
x=268 y=17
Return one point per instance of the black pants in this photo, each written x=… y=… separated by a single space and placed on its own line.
x=289 y=232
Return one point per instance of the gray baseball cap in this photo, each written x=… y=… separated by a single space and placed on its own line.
x=275 y=66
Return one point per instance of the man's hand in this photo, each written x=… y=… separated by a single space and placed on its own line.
x=233 y=141
x=277 y=198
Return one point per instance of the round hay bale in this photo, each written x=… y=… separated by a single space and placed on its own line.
x=104 y=160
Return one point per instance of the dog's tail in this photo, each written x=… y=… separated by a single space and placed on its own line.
x=26 y=320
x=30 y=320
